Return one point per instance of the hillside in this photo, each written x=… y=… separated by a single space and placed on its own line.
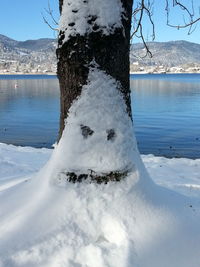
x=28 y=56
x=38 y=56
x=170 y=54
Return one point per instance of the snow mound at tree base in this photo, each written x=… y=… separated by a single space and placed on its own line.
x=126 y=224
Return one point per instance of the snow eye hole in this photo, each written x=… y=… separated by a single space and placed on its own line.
x=111 y=135
x=71 y=24
x=86 y=131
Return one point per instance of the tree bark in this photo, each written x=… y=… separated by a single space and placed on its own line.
x=110 y=52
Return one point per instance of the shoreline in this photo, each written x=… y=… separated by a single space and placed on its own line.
x=21 y=73
x=152 y=73
x=131 y=73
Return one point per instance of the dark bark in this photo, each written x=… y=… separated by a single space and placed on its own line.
x=111 y=53
x=60 y=5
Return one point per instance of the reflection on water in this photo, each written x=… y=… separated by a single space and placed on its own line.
x=166 y=112
x=29 y=112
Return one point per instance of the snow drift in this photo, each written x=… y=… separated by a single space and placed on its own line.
x=131 y=223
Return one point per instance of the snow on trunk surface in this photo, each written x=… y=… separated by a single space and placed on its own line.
x=126 y=224
x=98 y=135
x=81 y=17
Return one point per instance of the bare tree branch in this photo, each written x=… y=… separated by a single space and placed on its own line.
x=138 y=14
x=144 y=9
x=49 y=12
x=185 y=25
x=49 y=25
x=190 y=15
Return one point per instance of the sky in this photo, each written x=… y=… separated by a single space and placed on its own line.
x=22 y=20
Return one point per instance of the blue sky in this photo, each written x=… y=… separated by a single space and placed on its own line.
x=22 y=20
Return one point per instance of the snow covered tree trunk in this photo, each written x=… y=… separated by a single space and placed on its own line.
x=93 y=72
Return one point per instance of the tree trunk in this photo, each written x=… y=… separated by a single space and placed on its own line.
x=79 y=52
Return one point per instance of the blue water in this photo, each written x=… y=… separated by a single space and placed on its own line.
x=27 y=77
x=167 y=114
x=29 y=114
x=166 y=111
x=179 y=77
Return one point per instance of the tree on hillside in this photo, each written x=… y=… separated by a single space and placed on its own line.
x=93 y=69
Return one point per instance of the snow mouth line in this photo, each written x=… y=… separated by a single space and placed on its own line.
x=113 y=176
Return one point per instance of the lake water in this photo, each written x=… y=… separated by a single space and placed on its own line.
x=166 y=110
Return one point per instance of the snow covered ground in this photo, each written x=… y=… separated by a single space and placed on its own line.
x=17 y=164
x=128 y=224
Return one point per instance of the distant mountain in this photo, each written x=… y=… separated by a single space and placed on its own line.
x=30 y=45
x=37 y=45
x=39 y=55
x=28 y=56
x=174 y=53
x=7 y=42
